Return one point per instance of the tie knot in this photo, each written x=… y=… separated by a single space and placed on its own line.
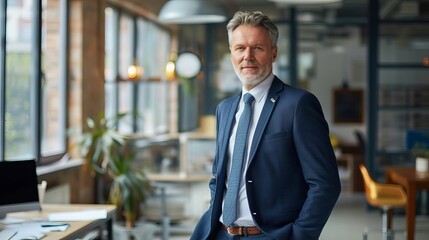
x=248 y=98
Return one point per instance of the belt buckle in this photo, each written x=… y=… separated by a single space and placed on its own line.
x=242 y=231
x=230 y=231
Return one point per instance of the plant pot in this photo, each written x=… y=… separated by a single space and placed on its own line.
x=130 y=219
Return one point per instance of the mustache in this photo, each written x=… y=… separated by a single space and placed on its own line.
x=249 y=64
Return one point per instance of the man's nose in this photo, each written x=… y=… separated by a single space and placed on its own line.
x=248 y=54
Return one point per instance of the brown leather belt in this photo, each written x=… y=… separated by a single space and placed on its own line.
x=241 y=231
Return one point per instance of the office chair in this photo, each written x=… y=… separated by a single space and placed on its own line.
x=382 y=195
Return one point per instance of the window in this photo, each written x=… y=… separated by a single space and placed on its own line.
x=111 y=60
x=153 y=97
x=136 y=40
x=19 y=113
x=33 y=75
x=126 y=48
x=53 y=95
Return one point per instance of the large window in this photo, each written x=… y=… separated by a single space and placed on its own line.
x=53 y=78
x=32 y=73
x=19 y=113
x=138 y=41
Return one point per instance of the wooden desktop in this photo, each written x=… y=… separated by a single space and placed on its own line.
x=77 y=229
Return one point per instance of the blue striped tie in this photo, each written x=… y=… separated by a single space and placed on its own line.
x=238 y=156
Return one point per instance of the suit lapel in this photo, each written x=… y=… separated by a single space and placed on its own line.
x=270 y=103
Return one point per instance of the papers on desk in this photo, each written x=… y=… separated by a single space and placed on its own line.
x=85 y=215
x=57 y=222
x=36 y=230
x=10 y=220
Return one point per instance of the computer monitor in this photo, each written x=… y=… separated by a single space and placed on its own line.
x=18 y=187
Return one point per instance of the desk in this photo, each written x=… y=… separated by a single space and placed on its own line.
x=412 y=182
x=77 y=229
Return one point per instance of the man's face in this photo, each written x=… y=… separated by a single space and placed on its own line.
x=252 y=55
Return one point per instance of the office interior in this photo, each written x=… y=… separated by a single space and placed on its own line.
x=66 y=61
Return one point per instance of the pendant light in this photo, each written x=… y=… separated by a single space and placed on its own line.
x=191 y=12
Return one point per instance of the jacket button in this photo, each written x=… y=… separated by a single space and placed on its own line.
x=249 y=181
x=254 y=213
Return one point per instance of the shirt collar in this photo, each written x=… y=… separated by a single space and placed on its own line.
x=261 y=89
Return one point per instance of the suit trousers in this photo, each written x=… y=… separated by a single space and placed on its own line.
x=223 y=235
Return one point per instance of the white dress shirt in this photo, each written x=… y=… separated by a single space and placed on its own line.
x=244 y=217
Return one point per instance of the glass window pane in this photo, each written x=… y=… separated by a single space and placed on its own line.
x=19 y=122
x=126 y=93
x=111 y=18
x=111 y=61
x=153 y=50
x=403 y=10
x=125 y=45
x=281 y=65
x=53 y=82
x=404 y=102
x=126 y=105
x=404 y=77
x=153 y=107
x=406 y=43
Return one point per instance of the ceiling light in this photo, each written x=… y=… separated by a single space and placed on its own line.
x=191 y=12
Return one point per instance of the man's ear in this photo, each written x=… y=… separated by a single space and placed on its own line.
x=274 y=54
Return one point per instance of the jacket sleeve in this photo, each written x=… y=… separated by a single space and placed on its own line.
x=318 y=162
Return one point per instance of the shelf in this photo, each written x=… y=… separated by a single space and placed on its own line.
x=404 y=97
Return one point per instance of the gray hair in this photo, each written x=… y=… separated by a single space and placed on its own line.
x=254 y=19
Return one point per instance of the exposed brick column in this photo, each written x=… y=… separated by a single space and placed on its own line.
x=93 y=58
x=86 y=78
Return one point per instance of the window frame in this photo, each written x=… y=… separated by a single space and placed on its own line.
x=132 y=101
x=36 y=81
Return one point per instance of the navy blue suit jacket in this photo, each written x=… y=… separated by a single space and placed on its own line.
x=292 y=180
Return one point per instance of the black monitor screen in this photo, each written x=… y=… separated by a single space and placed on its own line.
x=18 y=184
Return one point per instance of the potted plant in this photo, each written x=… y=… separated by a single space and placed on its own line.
x=109 y=154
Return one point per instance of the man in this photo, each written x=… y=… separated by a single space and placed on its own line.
x=288 y=182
